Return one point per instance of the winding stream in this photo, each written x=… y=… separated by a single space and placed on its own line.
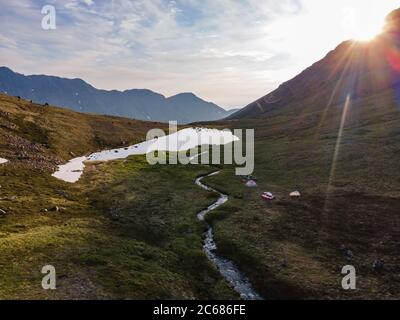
x=73 y=170
x=227 y=268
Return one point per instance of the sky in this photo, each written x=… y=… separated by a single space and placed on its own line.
x=230 y=52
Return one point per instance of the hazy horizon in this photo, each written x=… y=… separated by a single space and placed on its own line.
x=167 y=96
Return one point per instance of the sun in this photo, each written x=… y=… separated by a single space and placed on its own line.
x=367 y=32
x=364 y=20
x=367 y=29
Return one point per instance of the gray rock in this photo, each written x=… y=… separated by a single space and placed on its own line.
x=349 y=255
x=378 y=265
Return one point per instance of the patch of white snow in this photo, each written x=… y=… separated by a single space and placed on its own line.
x=182 y=140
x=72 y=171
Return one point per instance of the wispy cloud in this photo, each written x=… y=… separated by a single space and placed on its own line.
x=227 y=51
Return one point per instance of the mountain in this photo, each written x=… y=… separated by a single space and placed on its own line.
x=78 y=95
x=232 y=111
x=199 y=109
x=354 y=69
x=332 y=133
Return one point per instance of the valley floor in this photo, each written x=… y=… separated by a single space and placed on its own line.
x=126 y=231
x=296 y=248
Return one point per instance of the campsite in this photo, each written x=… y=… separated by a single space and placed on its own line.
x=200 y=151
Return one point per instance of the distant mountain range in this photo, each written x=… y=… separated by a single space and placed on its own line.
x=354 y=69
x=80 y=96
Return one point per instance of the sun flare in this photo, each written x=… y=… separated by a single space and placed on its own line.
x=367 y=32
x=366 y=25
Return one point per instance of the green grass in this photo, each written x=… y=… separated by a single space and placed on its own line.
x=127 y=232
x=294 y=151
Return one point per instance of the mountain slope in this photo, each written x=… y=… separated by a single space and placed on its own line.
x=80 y=96
x=333 y=134
x=118 y=233
x=35 y=136
x=204 y=111
x=353 y=69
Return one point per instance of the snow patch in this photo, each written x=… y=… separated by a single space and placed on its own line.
x=72 y=171
x=182 y=140
x=2 y=160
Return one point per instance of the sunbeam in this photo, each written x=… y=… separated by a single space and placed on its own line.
x=348 y=55
x=336 y=152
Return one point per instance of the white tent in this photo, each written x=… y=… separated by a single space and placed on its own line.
x=251 y=184
x=295 y=194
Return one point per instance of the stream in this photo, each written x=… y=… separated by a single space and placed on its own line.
x=176 y=142
x=227 y=268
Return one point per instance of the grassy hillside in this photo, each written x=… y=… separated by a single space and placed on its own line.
x=125 y=230
x=295 y=248
x=32 y=134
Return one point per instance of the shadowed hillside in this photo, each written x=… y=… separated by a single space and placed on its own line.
x=333 y=134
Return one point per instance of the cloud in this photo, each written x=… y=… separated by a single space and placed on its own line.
x=227 y=51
